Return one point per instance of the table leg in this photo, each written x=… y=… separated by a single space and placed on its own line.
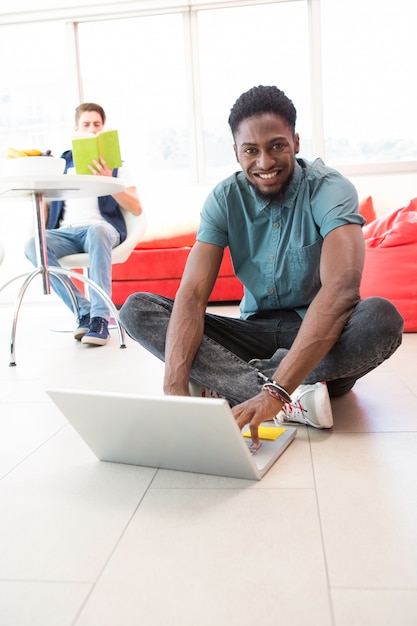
x=22 y=291
x=40 y=240
x=59 y=272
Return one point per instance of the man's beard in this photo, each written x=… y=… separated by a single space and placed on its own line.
x=270 y=197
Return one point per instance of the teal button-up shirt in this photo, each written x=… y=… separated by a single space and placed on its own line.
x=276 y=245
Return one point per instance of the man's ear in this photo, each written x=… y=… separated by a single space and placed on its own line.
x=297 y=143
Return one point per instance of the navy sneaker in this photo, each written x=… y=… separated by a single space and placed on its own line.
x=98 y=333
x=83 y=327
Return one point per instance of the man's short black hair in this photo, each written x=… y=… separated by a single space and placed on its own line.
x=260 y=100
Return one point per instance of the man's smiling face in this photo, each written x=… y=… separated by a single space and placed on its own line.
x=265 y=147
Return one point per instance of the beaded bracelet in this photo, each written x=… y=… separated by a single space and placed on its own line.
x=275 y=390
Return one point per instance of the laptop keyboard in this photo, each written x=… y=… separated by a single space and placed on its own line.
x=253 y=449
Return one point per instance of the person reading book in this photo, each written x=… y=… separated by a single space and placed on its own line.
x=93 y=225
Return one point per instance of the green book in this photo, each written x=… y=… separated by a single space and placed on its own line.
x=87 y=147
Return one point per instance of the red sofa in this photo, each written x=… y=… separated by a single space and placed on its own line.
x=157 y=266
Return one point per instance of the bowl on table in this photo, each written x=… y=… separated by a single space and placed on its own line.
x=33 y=166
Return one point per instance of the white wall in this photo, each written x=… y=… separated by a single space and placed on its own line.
x=389 y=191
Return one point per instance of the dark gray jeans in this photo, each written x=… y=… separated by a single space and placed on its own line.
x=371 y=335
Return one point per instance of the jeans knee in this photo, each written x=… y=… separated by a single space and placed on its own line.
x=145 y=317
x=132 y=308
x=101 y=234
x=383 y=326
x=383 y=316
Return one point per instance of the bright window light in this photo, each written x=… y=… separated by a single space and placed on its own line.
x=240 y=48
x=369 y=57
x=36 y=93
x=141 y=86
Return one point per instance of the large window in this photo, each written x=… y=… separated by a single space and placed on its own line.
x=167 y=74
x=175 y=77
x=36 y=93
x=240 y=48
x=136 y=70
x=370 y=91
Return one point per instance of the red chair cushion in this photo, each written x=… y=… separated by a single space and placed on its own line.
x=390 y=269
x=366 y=209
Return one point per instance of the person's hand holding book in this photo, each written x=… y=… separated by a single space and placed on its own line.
x=96 y=153
x=99 y=167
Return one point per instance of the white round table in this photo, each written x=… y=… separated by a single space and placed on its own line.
x=56 y=187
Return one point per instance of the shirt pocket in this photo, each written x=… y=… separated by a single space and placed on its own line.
x=304 y=272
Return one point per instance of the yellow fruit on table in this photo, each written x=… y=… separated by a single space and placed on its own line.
x=13 y=153
x=33 y=152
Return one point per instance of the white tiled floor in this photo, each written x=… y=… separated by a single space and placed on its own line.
x=327 y=538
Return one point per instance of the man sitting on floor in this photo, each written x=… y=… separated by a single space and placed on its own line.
x=295 y=238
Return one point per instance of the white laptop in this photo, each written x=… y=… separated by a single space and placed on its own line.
x=170 y=432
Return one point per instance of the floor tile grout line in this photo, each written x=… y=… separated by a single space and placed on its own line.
x=325 y=560
x=44 y=581
x=385 y=589
x=112 y=552
x=25 y=458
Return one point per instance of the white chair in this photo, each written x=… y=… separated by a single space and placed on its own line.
x=135 y=226
x=1 y=253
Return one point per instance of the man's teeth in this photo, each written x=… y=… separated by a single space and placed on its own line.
x=266 y=176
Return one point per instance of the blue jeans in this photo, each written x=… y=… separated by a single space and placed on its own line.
x=96 y=239
x=371 y=335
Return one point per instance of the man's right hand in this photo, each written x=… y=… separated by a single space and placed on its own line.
x=256 y=410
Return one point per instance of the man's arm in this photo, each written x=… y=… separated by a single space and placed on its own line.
x=186 y=325
x=128 y=199
x=341 y=265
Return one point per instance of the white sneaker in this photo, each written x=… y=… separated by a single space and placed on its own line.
x=202 y=392
x=310 y=405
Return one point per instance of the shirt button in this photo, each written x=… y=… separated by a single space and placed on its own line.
x=276 y=224
x=272 y=256
x=270 y=290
